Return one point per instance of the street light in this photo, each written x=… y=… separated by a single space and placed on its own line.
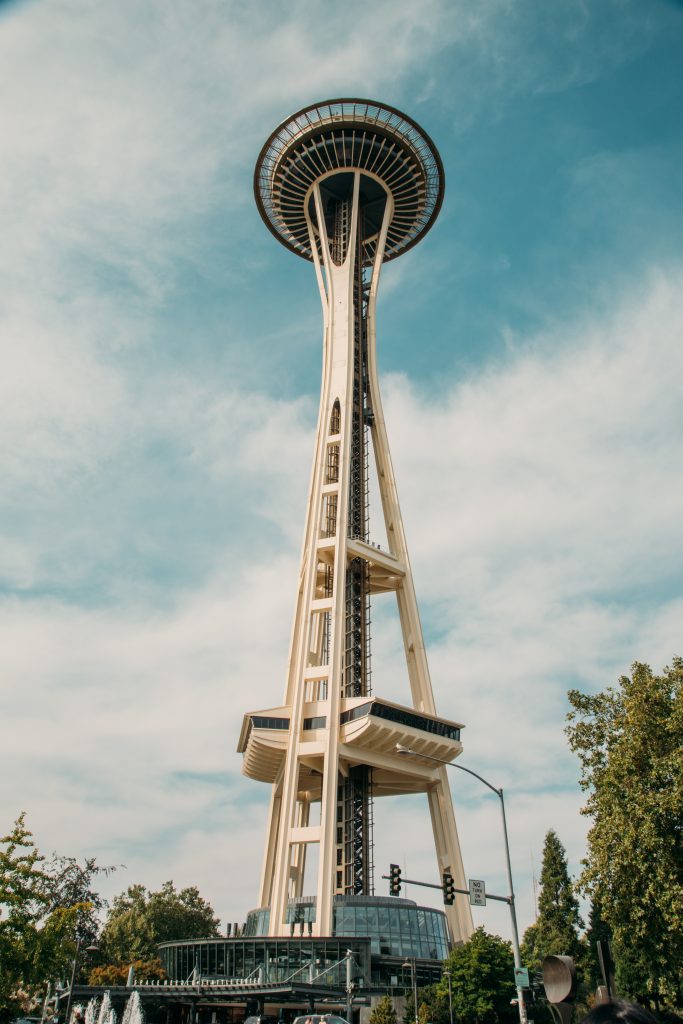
x=449 y=974
x=409 y=752
x=411 y=964
x=88 y=949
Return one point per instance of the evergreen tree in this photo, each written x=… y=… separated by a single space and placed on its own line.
x=383 y=1012
x=429 y=1007
x=629 y=741
x=556 y=931
x=423 y=1014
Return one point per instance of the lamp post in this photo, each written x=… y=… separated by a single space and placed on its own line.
x=349 y=986
x=411 y=964
x=88 y=949
x=449 y=974
x=409 y=752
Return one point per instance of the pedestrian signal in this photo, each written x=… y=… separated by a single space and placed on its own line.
x=394 y=880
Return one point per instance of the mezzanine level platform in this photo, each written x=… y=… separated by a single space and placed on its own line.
x=369 y=731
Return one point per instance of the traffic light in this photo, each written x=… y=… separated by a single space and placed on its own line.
x=394 y=880
x=448 y=886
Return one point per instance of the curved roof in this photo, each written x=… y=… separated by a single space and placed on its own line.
x=342 y=135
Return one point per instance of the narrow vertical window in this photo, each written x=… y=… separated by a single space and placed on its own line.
x=335 y=418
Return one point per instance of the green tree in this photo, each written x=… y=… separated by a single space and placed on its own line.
x=70 y=884
x=383 y=1012
x=424 y=1013
x=139 y=920
x=36 y=936
x=629 y=740
x=482 y=981
x=429 y=1007
x=556 y=930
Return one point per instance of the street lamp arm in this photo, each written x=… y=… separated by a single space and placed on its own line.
x=400 y=749
x=498 y=792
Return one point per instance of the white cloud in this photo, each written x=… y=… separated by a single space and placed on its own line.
x=57 y=399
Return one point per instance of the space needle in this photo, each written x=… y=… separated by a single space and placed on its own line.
x=348 y=184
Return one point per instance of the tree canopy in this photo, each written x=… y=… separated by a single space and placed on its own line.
x=629 y=741
x=139 y=920
x=482 y=980
x=70 y=884
x=482 y=985
x=46 y=906
x=117 y=974
x=37 y=932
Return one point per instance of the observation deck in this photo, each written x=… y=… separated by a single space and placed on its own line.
x=330 y=140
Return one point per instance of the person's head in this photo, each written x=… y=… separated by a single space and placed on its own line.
x=618 y=1011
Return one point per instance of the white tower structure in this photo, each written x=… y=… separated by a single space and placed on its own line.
x=348 y=184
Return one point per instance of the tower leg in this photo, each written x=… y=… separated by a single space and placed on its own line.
x=448 y=856
x=444 y=828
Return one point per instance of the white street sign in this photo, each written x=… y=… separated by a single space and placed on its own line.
x=477 y=893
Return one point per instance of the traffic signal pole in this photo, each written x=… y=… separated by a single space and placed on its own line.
x=413 y=881
x=434 y=885
x=510 y=900
x=449 y=889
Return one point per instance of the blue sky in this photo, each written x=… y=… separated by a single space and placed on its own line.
x=161 y=365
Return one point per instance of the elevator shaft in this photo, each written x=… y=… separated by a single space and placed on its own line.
x=354 y=875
